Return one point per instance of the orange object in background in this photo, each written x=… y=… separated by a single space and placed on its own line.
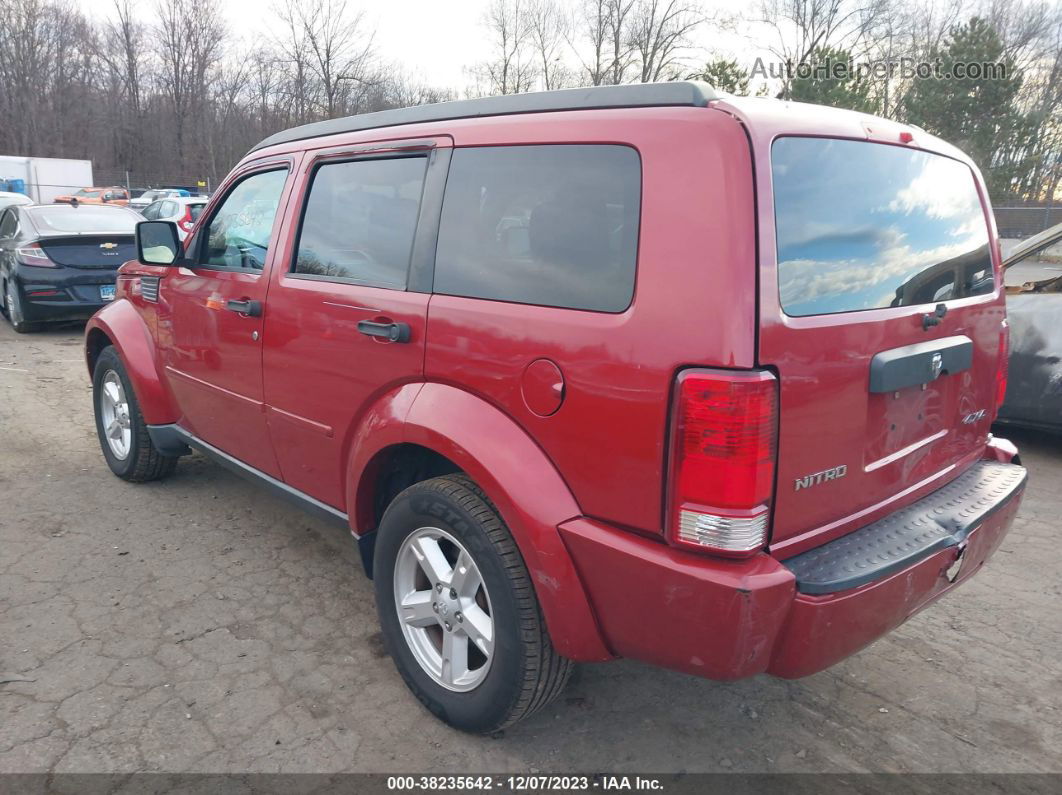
x=112 y=195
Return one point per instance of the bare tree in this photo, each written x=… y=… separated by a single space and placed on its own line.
x=799 y=27
x=619 y=23
x=605 y=27
x=510 y=69
x=189 y=39
x=593 y=17
x=548 y=28
x=339 y=47
x=660 y=32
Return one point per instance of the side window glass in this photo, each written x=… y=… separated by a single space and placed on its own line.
x=360 y=220
x=553 y=225
x=151 y=212
x=8 y=225
x=238 y=236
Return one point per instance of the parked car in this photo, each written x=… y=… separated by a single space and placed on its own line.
x=150 y=196
x=182 y=211
x=11 y=199
x=1034 y=311
x=60 y=263
x=594 y=373
x=96 y=196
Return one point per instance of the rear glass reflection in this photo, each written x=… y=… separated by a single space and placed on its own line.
x=862 y=226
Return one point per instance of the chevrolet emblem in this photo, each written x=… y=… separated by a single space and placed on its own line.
x=108 y=246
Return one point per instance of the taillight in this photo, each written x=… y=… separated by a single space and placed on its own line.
x=1003 y=367
x=187 y=222
x=722 y=460
x=34 y=256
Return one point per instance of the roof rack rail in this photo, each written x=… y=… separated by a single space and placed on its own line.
x=639 y=95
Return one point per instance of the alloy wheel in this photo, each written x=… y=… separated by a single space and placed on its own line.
x=14 y=309
x=444 y=609
x=114 y=411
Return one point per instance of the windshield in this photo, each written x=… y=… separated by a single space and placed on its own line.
x=862 y=225
x=57 y=218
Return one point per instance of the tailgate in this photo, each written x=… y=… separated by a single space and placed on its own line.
x=104 y=251
x=881 y=314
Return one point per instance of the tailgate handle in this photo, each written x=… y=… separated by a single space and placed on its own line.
x=930 y=320
x=920 y=363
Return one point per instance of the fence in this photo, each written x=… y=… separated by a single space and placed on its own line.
x=1026 y=221
x=145 y=180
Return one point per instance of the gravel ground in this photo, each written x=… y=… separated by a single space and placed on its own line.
x=202 y=625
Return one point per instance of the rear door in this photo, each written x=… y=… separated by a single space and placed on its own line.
x=881 y=312
x=349 y=304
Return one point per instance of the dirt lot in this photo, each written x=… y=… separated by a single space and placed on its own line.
x=200 y=624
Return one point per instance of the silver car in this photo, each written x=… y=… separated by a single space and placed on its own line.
x=150 y=196
x=182 y=210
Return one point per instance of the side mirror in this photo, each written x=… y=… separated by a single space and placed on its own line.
x=157 y=242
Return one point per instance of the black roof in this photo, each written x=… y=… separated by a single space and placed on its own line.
x=639 y=95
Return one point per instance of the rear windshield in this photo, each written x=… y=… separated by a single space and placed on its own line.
x=59 y=218
x=862 y=225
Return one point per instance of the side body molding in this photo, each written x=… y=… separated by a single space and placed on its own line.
x=128 y=332
x=514 y=473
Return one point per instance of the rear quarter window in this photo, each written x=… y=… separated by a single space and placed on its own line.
x=553 y=225
x=864 y=225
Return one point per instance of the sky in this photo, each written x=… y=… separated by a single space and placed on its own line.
x=434 y=40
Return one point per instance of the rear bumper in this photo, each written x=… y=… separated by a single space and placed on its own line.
x=77 y=293
x=728 y=619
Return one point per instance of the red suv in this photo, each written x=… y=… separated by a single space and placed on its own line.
x=635 y=371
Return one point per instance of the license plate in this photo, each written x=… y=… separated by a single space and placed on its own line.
x=107 y=292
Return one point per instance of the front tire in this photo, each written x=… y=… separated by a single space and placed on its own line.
x=458 y=610
x=120 y=426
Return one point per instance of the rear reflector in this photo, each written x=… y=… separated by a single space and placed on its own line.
x=722 y=460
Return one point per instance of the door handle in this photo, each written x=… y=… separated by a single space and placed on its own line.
x=245 y=308
x=394 y=332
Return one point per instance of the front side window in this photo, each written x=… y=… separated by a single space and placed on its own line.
x=360 y=220
x=866 y=225
x=553 y=225
x=239 y=233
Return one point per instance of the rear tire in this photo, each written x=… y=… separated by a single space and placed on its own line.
x=521 y=673
x=13 y=310
x=120 y=426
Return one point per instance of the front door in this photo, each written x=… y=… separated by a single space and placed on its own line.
x=347 y=312
x=211 y=316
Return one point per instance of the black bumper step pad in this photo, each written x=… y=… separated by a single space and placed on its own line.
x=940 y=520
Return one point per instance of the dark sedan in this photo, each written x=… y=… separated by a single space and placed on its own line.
x=58 y=262
x=1034 y=309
